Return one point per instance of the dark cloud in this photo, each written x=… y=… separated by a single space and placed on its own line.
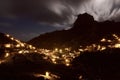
x=47 y=11
x=60 y=12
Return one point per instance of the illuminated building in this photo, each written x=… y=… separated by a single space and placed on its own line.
x=7 y=45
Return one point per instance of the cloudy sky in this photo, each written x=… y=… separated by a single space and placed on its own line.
x=26 y=19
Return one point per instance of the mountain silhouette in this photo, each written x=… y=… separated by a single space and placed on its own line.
x=85 y=31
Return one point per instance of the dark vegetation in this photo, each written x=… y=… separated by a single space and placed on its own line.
x=102 y=65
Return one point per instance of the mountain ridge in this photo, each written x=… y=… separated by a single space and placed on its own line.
x=84 y=31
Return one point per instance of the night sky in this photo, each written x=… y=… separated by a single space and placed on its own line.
x=24 y=29
x=26 y=19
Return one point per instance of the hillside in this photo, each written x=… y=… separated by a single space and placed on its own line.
x=5 y=40
x=84 y=31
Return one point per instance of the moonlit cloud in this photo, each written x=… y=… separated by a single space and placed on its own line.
x=60 y=12
x=103 y=9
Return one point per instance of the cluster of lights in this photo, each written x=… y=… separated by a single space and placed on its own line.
x=66 y=55
x=47 y=76
x=59 y=56
x=18 y=45
x=104 y=44
x=22 y=48
x=115 y=43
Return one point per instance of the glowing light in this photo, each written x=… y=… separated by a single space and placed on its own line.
x=109 y=41
x=22 y=44
x=7 y=35
x=67 y=64
x=81 y=50
x=20 y=52
x=17 y=41
x=34 y=48
x=56 y=49
x=7 y=45
x=103 y=48
x=47 y=74
x=67 y=49
x=98 y=47
x=117 y=45
x=119 y=40
x=116 y=37
x=26 y=51
x=31 y=47
x=67 y=60
x=12 y=38
x=53 y=60
x=60 y=50
x=18 y=45
x=103 y=40
x=35 y=51
x=80 y=77
x=7 y=55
